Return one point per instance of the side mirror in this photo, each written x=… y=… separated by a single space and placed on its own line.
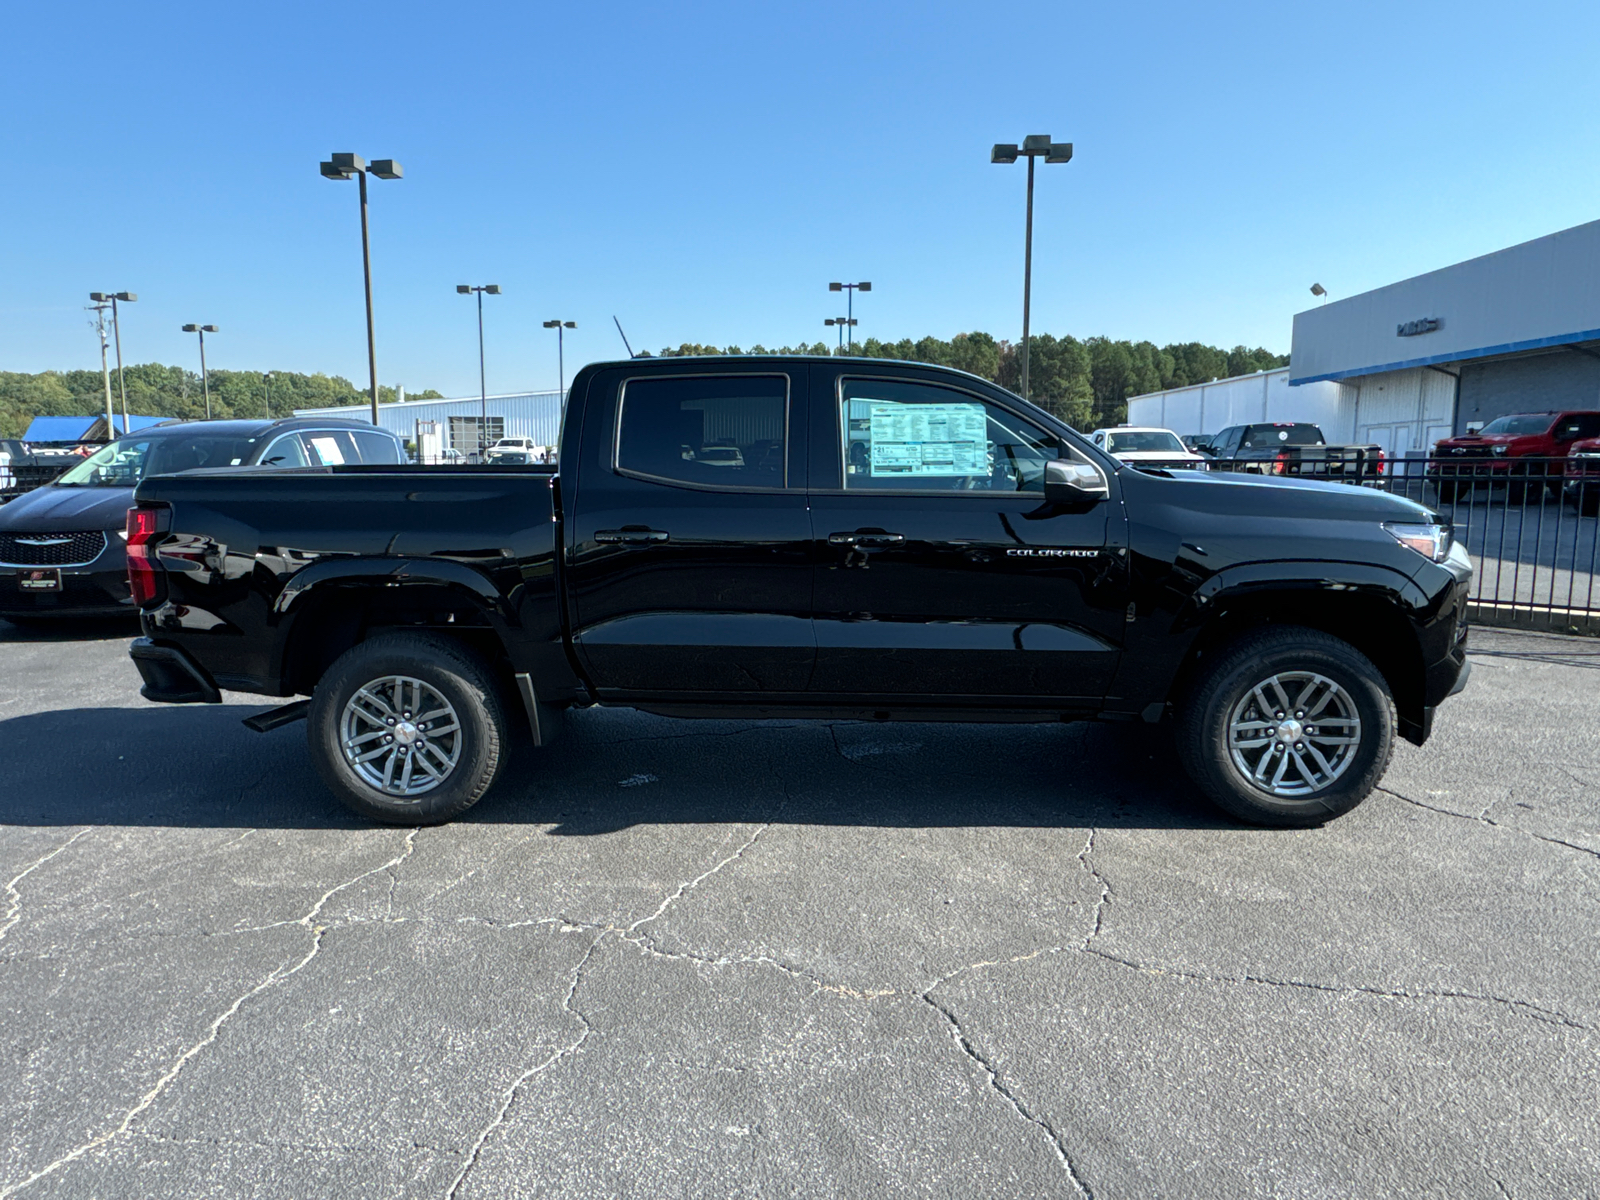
x=1068 y=482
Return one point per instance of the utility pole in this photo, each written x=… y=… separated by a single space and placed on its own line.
x=116 y=333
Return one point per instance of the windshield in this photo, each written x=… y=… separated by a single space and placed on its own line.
x=1522 y=426
x=1283 y=435
x=1144 y=440
x=125 y=462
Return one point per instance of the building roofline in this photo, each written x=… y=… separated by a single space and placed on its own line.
x=1564 y=339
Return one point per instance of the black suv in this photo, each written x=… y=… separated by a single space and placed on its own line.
x=62 y=545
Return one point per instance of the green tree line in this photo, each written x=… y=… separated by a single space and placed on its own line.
x=160 y=391
x=1086 y=383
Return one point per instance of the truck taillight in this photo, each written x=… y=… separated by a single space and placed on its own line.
x=1280 y=464
x=1382 y=457
x=145 y=522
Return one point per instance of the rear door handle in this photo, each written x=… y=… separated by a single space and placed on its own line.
x=865 y=537
x=631 y=535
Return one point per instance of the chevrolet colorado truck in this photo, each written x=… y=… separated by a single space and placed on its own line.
x=890 y=541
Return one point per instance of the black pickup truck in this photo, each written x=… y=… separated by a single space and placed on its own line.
x=1292 y=448
x=816 y=537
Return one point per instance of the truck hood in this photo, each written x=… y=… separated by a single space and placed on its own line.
x=1284 y=497
x=52 y=509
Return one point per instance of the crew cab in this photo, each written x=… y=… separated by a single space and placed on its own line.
x=1526 y=451
x=895 y=542
x=1292 y=448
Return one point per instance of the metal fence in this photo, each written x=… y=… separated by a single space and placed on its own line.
x=1529 y=525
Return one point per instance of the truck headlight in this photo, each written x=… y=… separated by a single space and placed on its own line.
x=1430 y=541
x=1499 y=449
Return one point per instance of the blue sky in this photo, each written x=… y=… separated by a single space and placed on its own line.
x=702 y=170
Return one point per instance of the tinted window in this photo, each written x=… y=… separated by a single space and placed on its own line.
x=1282 y=435
x=285 y=452
x=376 y=447
x=916 y=436
x=727 y=431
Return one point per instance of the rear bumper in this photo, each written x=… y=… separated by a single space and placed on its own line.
x=171 y=676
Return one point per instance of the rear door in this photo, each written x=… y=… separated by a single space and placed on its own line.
x=942 y=574
x=689 y=536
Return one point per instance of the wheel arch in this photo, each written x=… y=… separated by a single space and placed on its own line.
x=1369 y=608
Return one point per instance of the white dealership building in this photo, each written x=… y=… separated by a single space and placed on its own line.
x=1407 y=364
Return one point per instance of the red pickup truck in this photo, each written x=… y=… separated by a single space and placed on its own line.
x=1583 y=476
x=1526 y=451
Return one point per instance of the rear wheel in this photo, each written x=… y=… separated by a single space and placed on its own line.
x=1288 y=727
x=407 y=729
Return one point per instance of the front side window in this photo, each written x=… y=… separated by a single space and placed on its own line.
x=901 y=436
x=716 y=431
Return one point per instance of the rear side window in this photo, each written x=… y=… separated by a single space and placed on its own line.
x=716 y=431
x=376 y=448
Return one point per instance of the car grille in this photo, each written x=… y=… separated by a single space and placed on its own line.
x=51 y=549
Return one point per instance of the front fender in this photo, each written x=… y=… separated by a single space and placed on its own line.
x=1244 y=579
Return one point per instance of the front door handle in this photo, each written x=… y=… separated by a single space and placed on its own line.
x=633 y=535
x=866 y=537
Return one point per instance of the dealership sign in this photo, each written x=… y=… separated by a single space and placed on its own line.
x=1422 y=325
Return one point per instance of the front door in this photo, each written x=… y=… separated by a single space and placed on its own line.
x=689 y=538
x=941 y=571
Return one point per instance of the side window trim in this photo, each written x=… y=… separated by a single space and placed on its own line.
x=842 y=433
x=614 y=457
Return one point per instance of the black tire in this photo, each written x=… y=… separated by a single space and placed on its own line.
x=1226 y=687
x=467 y=757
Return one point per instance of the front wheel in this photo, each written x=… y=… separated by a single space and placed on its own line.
x=1288 y=727
x=407 y=729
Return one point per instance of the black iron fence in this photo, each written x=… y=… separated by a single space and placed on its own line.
x=1529 y=524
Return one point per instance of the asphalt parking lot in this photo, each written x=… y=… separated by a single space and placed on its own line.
x=769 y=959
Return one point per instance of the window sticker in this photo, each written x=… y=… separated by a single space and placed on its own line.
x=328 y=451
x=921 y=440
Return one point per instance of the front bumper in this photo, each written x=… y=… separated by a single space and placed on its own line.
x=96 y=590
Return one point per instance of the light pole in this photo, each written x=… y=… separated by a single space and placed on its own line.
x=850 y=304
x=492 y=289
x=205 y=380
x=116 y=332
x=561 y=355
x=343 y=166
x=1035 y=145
x=99 y=311
x=842 y=323
x=266 y=393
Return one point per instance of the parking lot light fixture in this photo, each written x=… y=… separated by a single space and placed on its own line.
x=561 y=327
x=492 y=289
x=842 y=323
x=343 y=167
x=850 y=305
x=1035 y=145
x=205 y=381
x=116 y=333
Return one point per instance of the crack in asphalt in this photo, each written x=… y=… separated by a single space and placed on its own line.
x=214 y=1030
x=513 y=1093
x=14 y=897
x=1484 y=819
x=964 y=1044
x=1548 y=1016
